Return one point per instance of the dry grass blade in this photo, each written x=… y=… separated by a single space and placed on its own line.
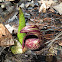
x=56 y=38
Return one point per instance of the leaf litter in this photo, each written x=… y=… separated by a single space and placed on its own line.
x=49 y=23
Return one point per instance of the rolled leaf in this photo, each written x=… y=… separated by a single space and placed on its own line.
x=21 y=25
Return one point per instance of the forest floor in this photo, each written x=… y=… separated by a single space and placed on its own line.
x=49 y=21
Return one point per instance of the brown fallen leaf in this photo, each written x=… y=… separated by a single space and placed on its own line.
x=5 y=36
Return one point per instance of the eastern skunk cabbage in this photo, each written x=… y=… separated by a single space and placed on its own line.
x=29 y=37
x=33 y=39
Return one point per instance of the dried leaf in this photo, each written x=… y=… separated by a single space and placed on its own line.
x=45 y=5
x=42 y=8
x=58 y=8
x=5 y=36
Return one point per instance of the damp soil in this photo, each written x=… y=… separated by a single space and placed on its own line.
x=7 y=56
